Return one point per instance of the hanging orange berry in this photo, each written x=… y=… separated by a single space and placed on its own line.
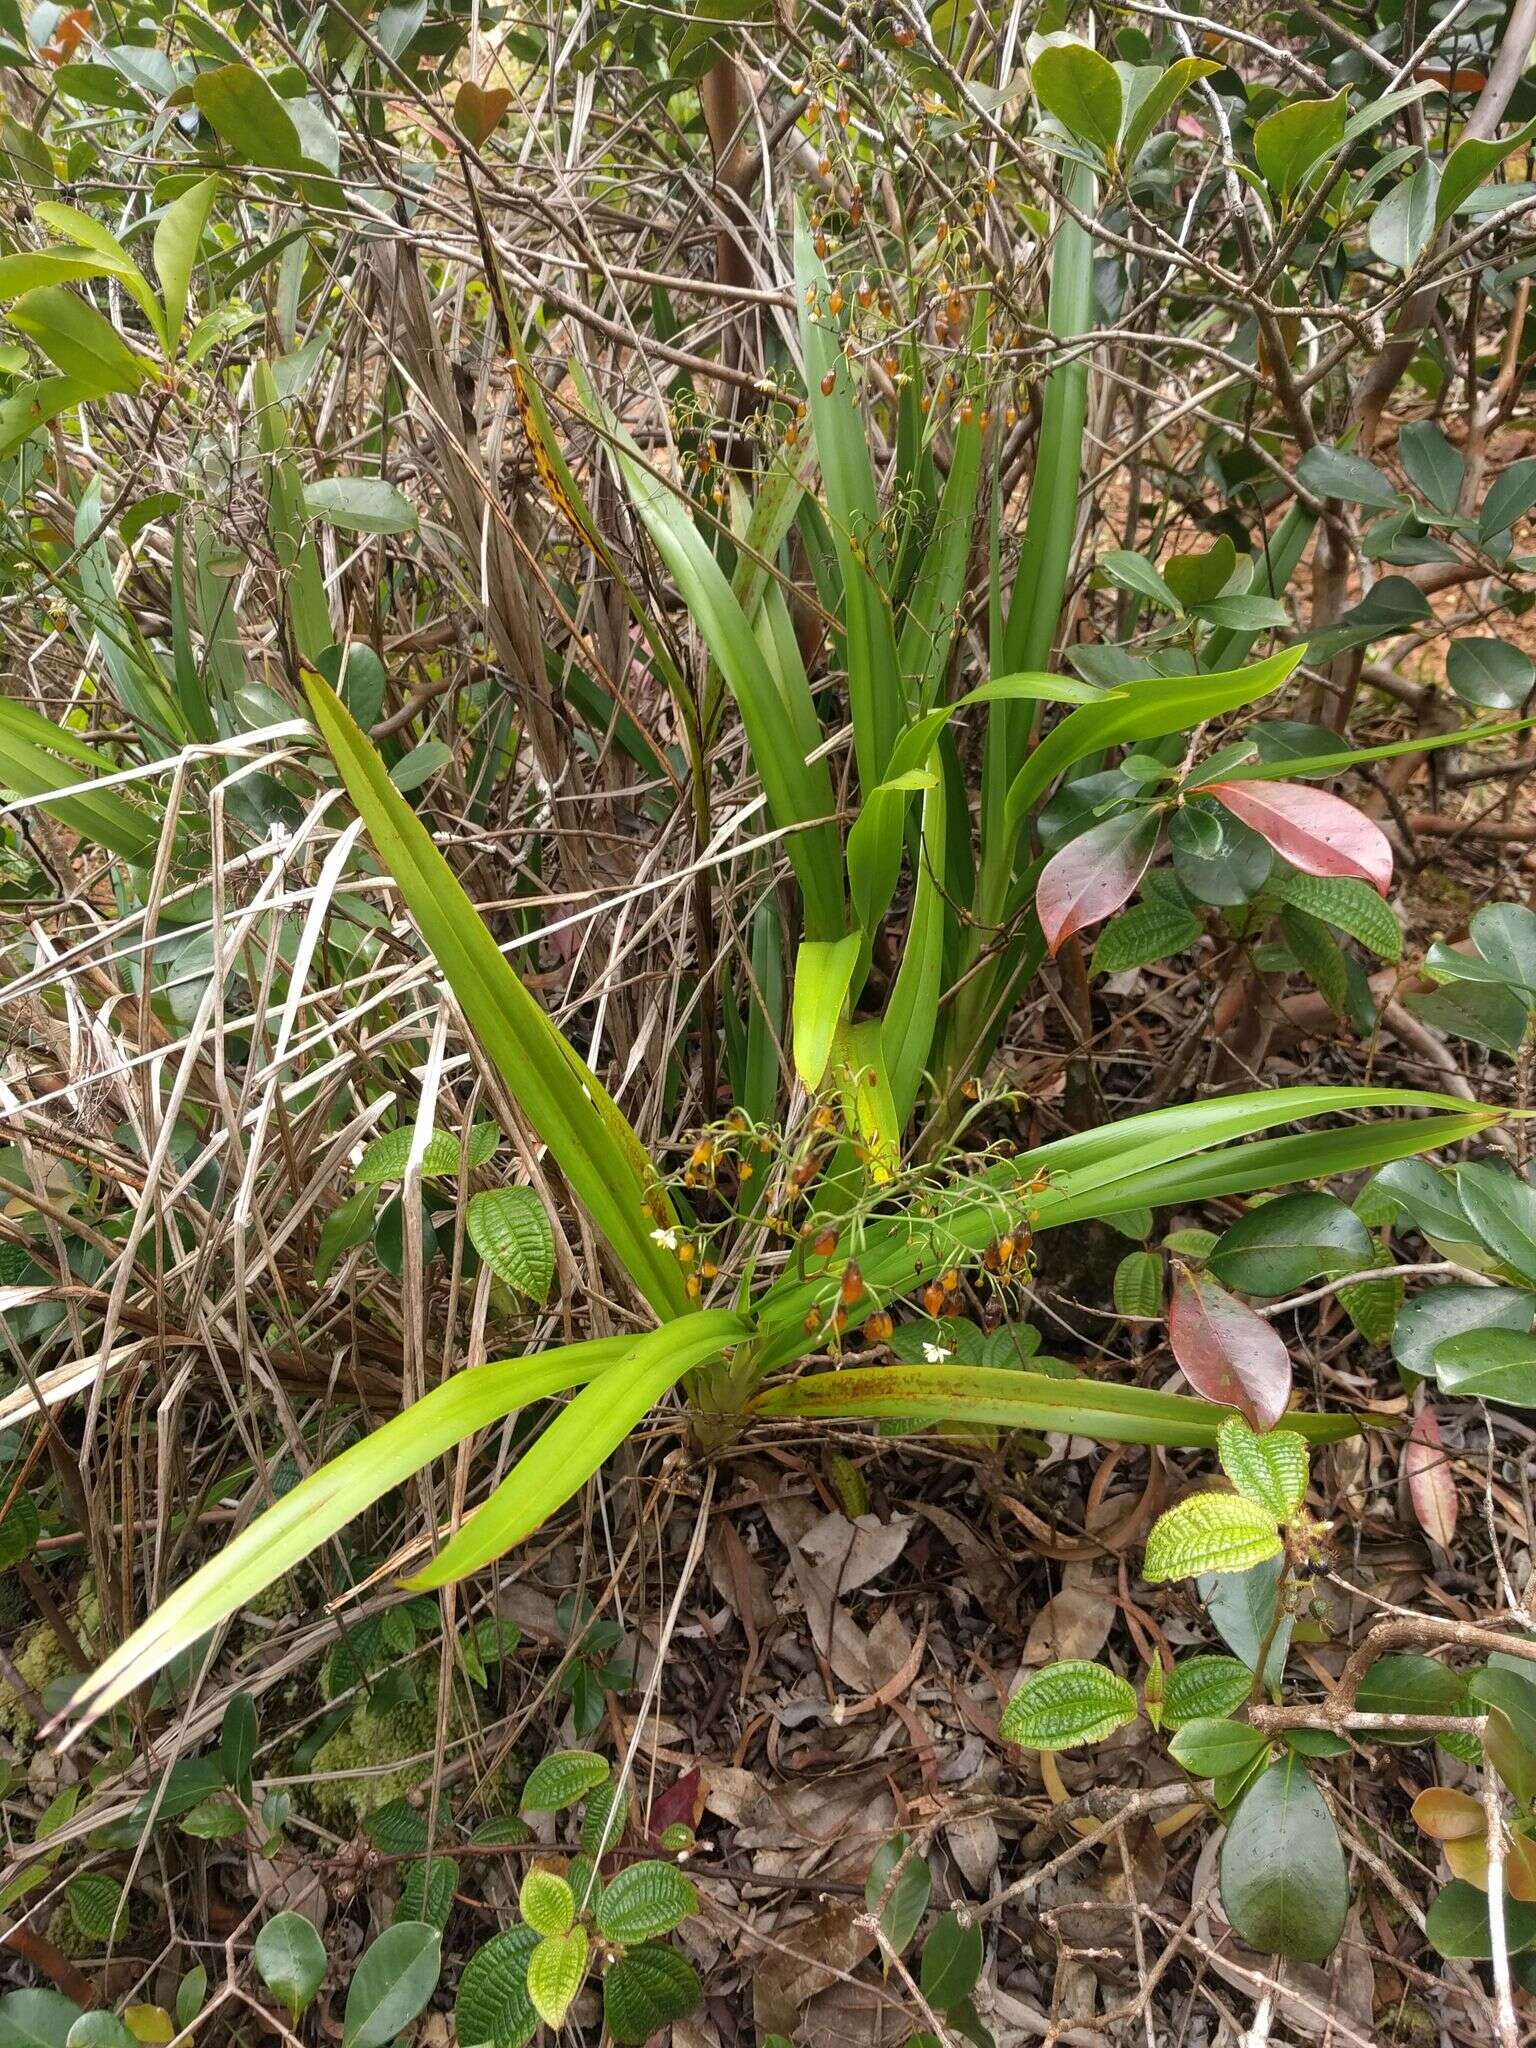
x=835 y=302
x=933 y=1299
x=865 y=293
x=812 y=1322
x=851 y=1286
x=825 y=1243
x=829 y=384
x=878 y=1329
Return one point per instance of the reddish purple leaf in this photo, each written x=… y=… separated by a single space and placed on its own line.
x=1093 y=875
x=1226 y=1352
x=1316 y=832
x=1431 y=1486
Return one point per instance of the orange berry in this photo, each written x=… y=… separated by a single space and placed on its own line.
x=835 y=302
x=851 y=1286
x=855 y=209
x=791 y=435
x=865 y=293
x=950 y=1281
x=933 y=1298
x=812 y=1322
x=878 y=1329
x=825 y=1243
x=829 y=384
x=821 y=243
x=691 y=1288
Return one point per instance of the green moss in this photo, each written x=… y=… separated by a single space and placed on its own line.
x=367 y=1741
x=40 y=1658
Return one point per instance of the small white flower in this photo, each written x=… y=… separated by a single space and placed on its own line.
x=667 y=1239
x=935 y=1354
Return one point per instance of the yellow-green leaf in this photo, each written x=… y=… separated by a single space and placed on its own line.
x=1210 y=1532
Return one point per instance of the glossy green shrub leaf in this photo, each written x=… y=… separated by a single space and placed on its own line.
x=1288 y=142
x=646 y=1991
x=492 y=2008
x=1083 y=91
x=1204 y=1688
x=1284 y=1885
x=289 y=1958
x=903 y=1910
x=1209 y=1532
x=190 y=1995
x=1501 y=1207
x=604 y=1821
x=100 y=2030
x=36 y=2019
x=1489 y=1365
x=1279 y=1246
x=397 y=1828
x=510 y=1229
x=391 y=1984
x=1210 y=1746
x=1458 y=1928
x=1373 y=1305
x=560 y=1780
x=1410 y=1684
x=1065 y=1704
x=951 y=1963
x=546 y=1902
x=555 y=1971
x=644 y=1900
x=80 y=342
x=1270 y=1470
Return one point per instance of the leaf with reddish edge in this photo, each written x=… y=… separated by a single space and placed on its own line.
x=1316 y=832
x=1431 y=1487
x=1226 y=1352
x=1094 y=874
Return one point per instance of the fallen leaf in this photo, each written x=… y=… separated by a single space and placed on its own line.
x=1226 y=1352
x=1431 y=1485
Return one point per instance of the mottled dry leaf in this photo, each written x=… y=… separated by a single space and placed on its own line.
x=1073 y=1623
x=1431 y=1485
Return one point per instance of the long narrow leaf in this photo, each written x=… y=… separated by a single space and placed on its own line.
x=567 y=1105
x=581 y=1436
x=297 y=1524
x=799 y=791
x=1023 y=1400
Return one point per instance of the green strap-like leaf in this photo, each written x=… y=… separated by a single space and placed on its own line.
x=578 y=1440
x=567 y=1105
x=302 y=1519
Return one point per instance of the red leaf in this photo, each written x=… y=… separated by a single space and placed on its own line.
x=1431 y=1487
x=1227 y=1353
x=1094 y=874
x=479 y=109
x=1316 y=832
x=682 y=1801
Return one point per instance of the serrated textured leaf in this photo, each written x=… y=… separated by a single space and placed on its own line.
x=555 y=1971
x=427 y=1890
x=1373 y=1305
x=1270 y=1469
x=560 y=1780
x=1139 y=1285
x=95 y=1901
x=647 y=1991
x=1205 y=1688
x=1067 y=1703
x=396 y=1829
x=604 y=1822
x=1353 y=906
x=644 y=1900
x=546 y=1902
x=1209 y=1532
x=1142 y=934
x=19 y=1531
x=385 y=1158
x=493 y=2009
x=510 y=1230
